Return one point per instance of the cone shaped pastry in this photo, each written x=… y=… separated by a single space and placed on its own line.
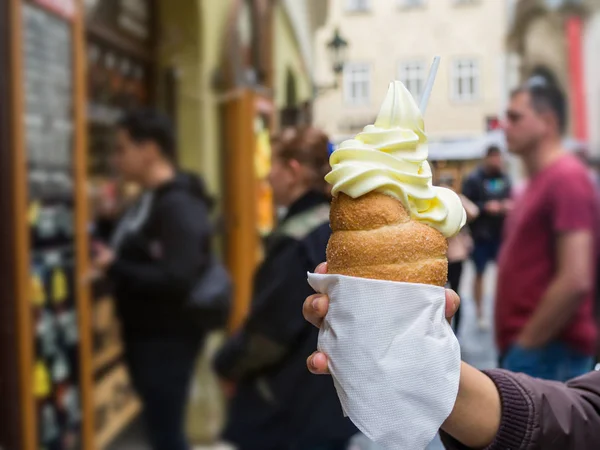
x=388 y=221
x=374 y=237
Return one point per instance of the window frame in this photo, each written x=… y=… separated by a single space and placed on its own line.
x=347 y=83
x=457 y=74
x=466 y=2
x=411 y=4
x=404 y=68
x=354 y=6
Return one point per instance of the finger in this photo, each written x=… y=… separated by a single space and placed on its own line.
x=321 y=268
x=317 y=363
x=315 y=308
x=452 y=303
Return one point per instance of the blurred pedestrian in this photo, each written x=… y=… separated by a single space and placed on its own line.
x=582 y=153
x=272 y=404
x=489 y=188
x=459 y=249
x=159 y=250
x=544 y=309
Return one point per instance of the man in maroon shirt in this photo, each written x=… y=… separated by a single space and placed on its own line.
x=544 y=309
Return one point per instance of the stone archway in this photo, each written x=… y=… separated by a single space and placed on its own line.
x=548 y=35
x=544 y=50
x=246 y=57
x=291 y=89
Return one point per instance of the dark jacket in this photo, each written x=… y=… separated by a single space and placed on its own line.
x=163 y=246
x=481 y=187
x=545 y=415
x=274 y=404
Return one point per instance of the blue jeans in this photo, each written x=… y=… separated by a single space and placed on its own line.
x=161 y=371
x=483 y=253
x=555 y=361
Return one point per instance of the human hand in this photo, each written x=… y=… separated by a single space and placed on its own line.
x=493 y=207
x=526 y=342
x=507 y=205
x=315 y=309
x=104 y=257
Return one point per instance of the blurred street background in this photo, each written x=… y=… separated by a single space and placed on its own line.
x=231 y=91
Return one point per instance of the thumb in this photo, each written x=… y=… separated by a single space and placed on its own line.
x=452 y=303
x=321 y=268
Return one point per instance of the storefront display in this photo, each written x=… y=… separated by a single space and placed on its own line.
x=48 y=118
x=262 y=167
x=66 y=353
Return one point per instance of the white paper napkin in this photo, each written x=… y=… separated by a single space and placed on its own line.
x=394 y=359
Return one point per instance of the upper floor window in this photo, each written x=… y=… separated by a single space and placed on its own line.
x=357 y=83
x=412 y=74
x=465 y=2
x=358 y=5
x=465 y=79
x=411 y=3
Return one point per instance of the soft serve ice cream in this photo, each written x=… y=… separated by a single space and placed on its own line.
x=390 y=157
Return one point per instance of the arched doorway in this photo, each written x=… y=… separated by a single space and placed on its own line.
x=291 y=89
x=290 y=113
x=179 y=77
x=550 y=35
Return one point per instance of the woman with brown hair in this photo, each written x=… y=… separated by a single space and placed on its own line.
x=272 y=406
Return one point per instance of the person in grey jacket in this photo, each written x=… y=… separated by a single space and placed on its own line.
x=500 y=410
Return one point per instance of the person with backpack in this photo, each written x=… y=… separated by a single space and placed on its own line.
x=158 y=253
x=272 y=401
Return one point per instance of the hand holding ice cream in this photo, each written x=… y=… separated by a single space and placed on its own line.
x=394 y=359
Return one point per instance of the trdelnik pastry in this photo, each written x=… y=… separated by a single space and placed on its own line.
x=389 y=222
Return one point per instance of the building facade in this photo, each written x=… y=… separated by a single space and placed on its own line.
x=397 y=40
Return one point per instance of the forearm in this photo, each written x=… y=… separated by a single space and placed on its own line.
x=535 y=414
x=554 y=312
x=475 y=419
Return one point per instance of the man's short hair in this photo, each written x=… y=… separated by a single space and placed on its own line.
x=149 y=125
x=492 y=150
x=547 y=97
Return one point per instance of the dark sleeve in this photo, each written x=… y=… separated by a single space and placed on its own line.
x=472 y=191
x=275 y=322
x=539 y=414
x=183 y=232
x=104 y=229
x=508 y=190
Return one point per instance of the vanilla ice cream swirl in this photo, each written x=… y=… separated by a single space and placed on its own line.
x=390 y=157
